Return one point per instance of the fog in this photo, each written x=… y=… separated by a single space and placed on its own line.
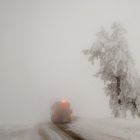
x=41 y=59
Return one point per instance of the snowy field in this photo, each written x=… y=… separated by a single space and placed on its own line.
x=18 y=133
x=100 y=128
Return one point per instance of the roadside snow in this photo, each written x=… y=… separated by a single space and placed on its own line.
x=18 y=133
x=120 y=128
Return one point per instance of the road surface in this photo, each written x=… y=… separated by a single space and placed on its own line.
x=50 y=131
x=57 y=132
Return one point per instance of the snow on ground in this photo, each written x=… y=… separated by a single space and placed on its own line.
x=41 y=131
x=48 y=133
x=18 y=133
x=90 y=128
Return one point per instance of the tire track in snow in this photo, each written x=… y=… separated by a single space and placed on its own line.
x=48 y=133
x=69 y=133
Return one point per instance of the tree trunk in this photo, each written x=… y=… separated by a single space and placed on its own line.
x=121 y=111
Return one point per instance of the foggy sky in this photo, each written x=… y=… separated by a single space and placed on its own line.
x=41 y=59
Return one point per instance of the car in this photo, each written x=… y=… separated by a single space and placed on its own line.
x=61 y=112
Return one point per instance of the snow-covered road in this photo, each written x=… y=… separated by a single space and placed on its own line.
x=57 y=132
x=50 y=132
x=81 y=129
x=63 y=132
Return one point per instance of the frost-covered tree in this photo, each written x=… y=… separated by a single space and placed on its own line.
x=116 y=70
